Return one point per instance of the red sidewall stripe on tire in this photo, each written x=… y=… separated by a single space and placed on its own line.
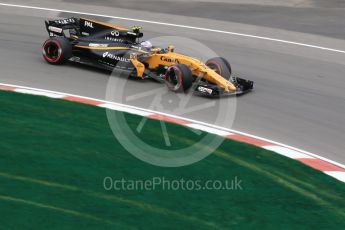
x=216 y=64
x=333 y=169
x=179 y=83
x=59 y=53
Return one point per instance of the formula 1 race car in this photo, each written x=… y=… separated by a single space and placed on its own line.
x=113 y=47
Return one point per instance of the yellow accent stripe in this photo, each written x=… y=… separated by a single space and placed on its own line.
x=105 y=24
x=51 y=207
x=102 y=48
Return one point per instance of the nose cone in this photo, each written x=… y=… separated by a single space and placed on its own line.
x=217 y=79
x=230 y=87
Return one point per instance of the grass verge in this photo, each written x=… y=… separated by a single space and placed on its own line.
x=54 y=156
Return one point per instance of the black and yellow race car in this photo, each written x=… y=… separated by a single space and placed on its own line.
x=113 y=47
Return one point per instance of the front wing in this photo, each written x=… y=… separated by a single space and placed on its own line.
x=210 y=90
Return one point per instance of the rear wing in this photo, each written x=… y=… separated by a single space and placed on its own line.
x=63 y=27
x=92 y=29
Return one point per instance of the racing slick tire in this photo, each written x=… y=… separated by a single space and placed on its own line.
x=221 y=66
x=179 y=78
x=57 y=50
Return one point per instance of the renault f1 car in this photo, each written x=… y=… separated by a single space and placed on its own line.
x=113 y=47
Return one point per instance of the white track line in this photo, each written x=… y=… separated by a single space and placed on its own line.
x=39 y=93
x=176 y=25
x=208 y=129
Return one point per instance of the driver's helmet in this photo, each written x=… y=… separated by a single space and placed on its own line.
x=146 y=45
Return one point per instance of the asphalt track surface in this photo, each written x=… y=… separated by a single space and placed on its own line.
x=299 y=96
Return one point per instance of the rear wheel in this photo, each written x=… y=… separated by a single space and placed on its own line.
x=57 y=50
x=221 y=66
x=179 y=78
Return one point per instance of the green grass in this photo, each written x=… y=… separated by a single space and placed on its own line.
x=55 y=154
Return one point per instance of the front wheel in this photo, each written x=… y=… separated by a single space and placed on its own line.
x=221 y=66
x=178 y=78
x=57 y=50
